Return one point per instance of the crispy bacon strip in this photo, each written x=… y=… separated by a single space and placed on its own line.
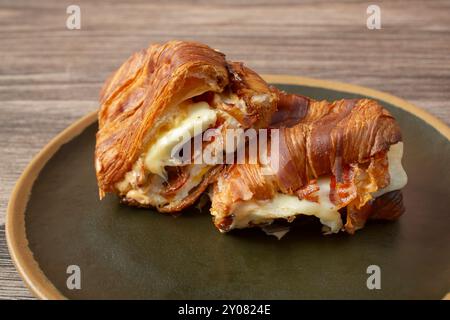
x=308 y=192
x=177 y=177
x=358 y=181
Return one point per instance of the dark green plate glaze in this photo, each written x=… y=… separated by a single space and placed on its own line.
x=135 y=253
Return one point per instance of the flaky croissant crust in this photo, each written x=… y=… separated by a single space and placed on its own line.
x=329 y=135
x=134 y=98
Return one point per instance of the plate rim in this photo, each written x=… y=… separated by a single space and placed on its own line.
x=17 y=242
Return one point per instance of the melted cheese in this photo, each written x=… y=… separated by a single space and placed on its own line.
x=398 y=177
x=179 y=124
x=287 y=206
x=198 y=116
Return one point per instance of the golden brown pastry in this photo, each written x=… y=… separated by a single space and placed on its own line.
x=334 y=159
x=156 y=99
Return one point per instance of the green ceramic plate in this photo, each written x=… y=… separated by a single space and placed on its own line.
x=134 y=253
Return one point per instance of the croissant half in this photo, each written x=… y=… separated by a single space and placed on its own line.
x=158 y=96
x=334 y=159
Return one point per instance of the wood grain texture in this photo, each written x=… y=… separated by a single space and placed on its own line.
x=50 y=76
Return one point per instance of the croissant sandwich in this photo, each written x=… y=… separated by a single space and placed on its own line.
x=162 y=98
x=334 y=161
x=164 y=120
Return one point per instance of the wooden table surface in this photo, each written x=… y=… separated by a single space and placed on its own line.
x=50 y=76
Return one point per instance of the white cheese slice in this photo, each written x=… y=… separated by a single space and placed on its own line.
x=199 y=117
